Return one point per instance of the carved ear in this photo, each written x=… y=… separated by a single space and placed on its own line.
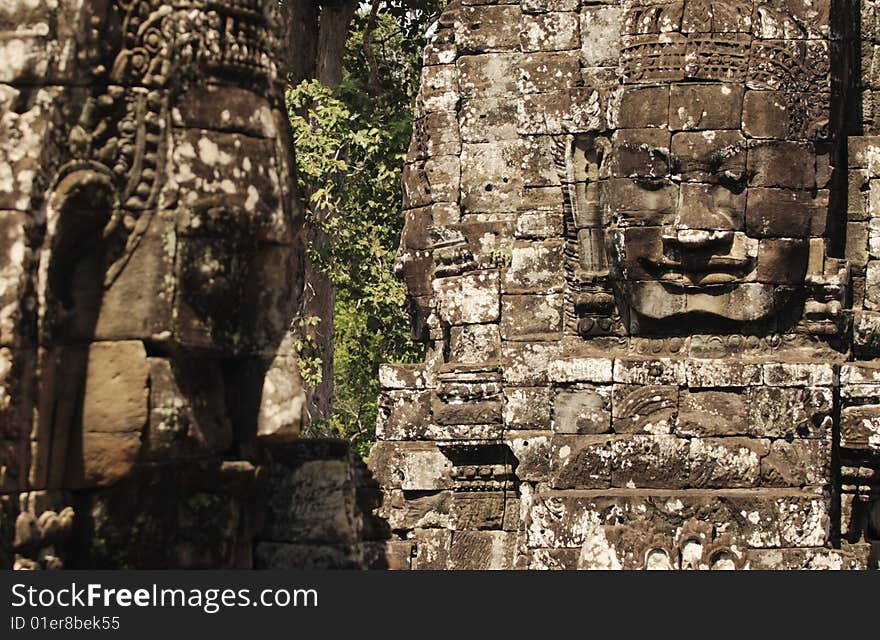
x=590 y=309
x=579 y=160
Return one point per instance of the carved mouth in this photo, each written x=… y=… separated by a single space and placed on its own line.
x=701 y=271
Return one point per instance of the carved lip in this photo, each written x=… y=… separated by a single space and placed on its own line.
x=703 y=270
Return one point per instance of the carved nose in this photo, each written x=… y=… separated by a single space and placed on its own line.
x=695 y=239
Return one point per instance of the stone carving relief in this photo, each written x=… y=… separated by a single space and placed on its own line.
x=153 y=272
x=631 y=250
x=712 y=196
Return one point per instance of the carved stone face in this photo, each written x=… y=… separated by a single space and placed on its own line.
x=714 y=184
x=704 y=217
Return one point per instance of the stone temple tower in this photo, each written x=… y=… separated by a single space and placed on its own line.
x=640 y=246
x=150 y=270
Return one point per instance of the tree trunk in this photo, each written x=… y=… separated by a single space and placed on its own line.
x=318 y=32
x=335 y=21
x=302 y=38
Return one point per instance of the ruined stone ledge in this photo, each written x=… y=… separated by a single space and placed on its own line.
x=738 y=519
x=402 y=376
x=694 y=372
x=763 y=493
x=814 y=558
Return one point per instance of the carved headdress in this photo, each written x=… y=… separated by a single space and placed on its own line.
x=765 y=47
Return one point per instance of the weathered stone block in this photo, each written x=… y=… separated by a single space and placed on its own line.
x=638 y=207
x=410 y=466
x=39 y=36
x=726 y=463
x=439 y=89
x=312 y=503
x=783 y=164
x=700 y=107
x=540 y=224
x=271 y=286
x=469 y=299
x=414 y=181
x=115 y=412
x=403 y=414
x=714 y=413
x=644 y=107
x=393 y=555
x=782 y=261
x=860 y=427
x=417 y=509
x=473 y=431
x=600 y=35
x=186 y=417
x=482 y=550
x=476 y=410
x=777 y=412
x=803 y=559
x=760 y=520
x=225 y=108
x=706 y=373
x=402 y=376
x=797 y=463
x=533 y=452
x=535 y=267
x=765 y=114
x=542 y=200
x=14 y=262
x=784 y=374
x=582 y=370
x=475 y=344
x=490 y=74
x=580 y=462
x=443 y=174
x=543 y=72
x=240 y=168
x=785 y=213
x=527 y=407
x=855 y=373
x=531 y=316
x=872 y=285
x=526 y=364
x=644 y=409
x=471 y=510
x=490 y=181
x=662 y=371
x=699 y=158
x=487 y=28
x=650 y=461
x=554 y=31
x=432 y=549
x=488 y=119
x=582 y=411
x=554 y=559
x=545 y=113
x=537 y=164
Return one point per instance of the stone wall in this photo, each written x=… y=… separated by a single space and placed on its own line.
x=320 y=511
x=646 y=290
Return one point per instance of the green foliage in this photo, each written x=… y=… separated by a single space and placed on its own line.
x=350 y=146
x=310 y=358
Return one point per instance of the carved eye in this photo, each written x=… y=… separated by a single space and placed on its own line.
x=735 y=182
x=650 y=183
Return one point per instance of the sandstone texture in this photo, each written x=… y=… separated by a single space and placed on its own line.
x=646 y=280
x=150 y=268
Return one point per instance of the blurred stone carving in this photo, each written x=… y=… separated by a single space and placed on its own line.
x=151 y=273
